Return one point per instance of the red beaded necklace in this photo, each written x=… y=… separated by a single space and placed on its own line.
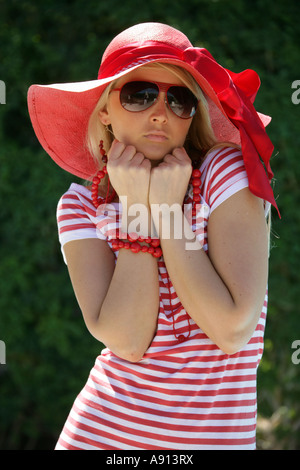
x=132 y=241
x=97 y=201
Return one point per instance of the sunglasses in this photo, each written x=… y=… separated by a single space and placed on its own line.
x=138 y=96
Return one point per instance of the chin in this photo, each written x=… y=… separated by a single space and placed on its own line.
x=155 y=162
x=155 y=159
x=155 y=153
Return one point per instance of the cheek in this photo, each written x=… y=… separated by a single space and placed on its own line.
x=121 y=132
x=126 y=126
x=182 y=131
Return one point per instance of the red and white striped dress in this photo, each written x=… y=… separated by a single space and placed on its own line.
x=181 y=395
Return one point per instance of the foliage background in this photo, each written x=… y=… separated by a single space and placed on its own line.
x=49 y=352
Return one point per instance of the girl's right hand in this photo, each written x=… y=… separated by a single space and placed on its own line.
x=129 y=173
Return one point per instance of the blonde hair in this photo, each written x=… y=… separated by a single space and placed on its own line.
x=96 y=130
x=200 y=137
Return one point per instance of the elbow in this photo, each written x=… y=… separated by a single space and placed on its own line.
x=232 y=345
x=124 y=350
x=133 y=349
x=237 y=337
x=231 y=348
x=122 y=345
x=128 y=352
x=131 y=356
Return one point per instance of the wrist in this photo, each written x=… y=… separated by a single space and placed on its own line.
x=167 y=220
x=137 y=244
x=136 y=217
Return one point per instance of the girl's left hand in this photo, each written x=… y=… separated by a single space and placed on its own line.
x=170 y=179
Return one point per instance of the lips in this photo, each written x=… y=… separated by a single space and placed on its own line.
x=157 y=136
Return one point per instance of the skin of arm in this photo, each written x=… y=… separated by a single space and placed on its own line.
x=223 y=292
x=119 y=302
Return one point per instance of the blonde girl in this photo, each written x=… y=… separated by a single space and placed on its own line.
x=182 y=318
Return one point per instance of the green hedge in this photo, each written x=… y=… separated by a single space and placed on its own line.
x=49 y=351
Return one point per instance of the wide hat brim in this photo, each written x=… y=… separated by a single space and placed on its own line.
x=60 y=112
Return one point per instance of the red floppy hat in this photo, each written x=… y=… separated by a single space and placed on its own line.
x=60 y=112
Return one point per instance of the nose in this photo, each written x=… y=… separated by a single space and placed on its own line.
x=159 y=109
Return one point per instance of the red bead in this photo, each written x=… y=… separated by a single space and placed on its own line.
x=135 y=247
x=102 y=151
x=196 y=198
x=155 y=242
x=132 y=237
x=196 y=190
x=196 y=173
x=157 y=252
x=115 y=244
x=181 y=338
x=196 y=182
x=97 y=179
x=133 y=244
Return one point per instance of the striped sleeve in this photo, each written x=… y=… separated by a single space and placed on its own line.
x=75 y=219
x=224 y=175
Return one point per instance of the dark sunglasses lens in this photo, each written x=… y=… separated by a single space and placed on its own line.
x=138 y=96
x=182 y=101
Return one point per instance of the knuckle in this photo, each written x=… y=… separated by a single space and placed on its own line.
x=130 y=150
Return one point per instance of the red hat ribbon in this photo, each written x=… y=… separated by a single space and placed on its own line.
x=235 y=91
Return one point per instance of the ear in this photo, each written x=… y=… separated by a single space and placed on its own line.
x=104 y=117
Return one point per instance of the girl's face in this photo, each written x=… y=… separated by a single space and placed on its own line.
x=154 y=132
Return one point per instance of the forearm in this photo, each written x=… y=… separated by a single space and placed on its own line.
x=209 y=301
x=128 y=317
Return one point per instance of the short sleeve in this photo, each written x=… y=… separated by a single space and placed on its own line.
x=223 y=175
x=76 y=218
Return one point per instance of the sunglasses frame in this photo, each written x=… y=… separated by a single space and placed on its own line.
x=162 y=87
